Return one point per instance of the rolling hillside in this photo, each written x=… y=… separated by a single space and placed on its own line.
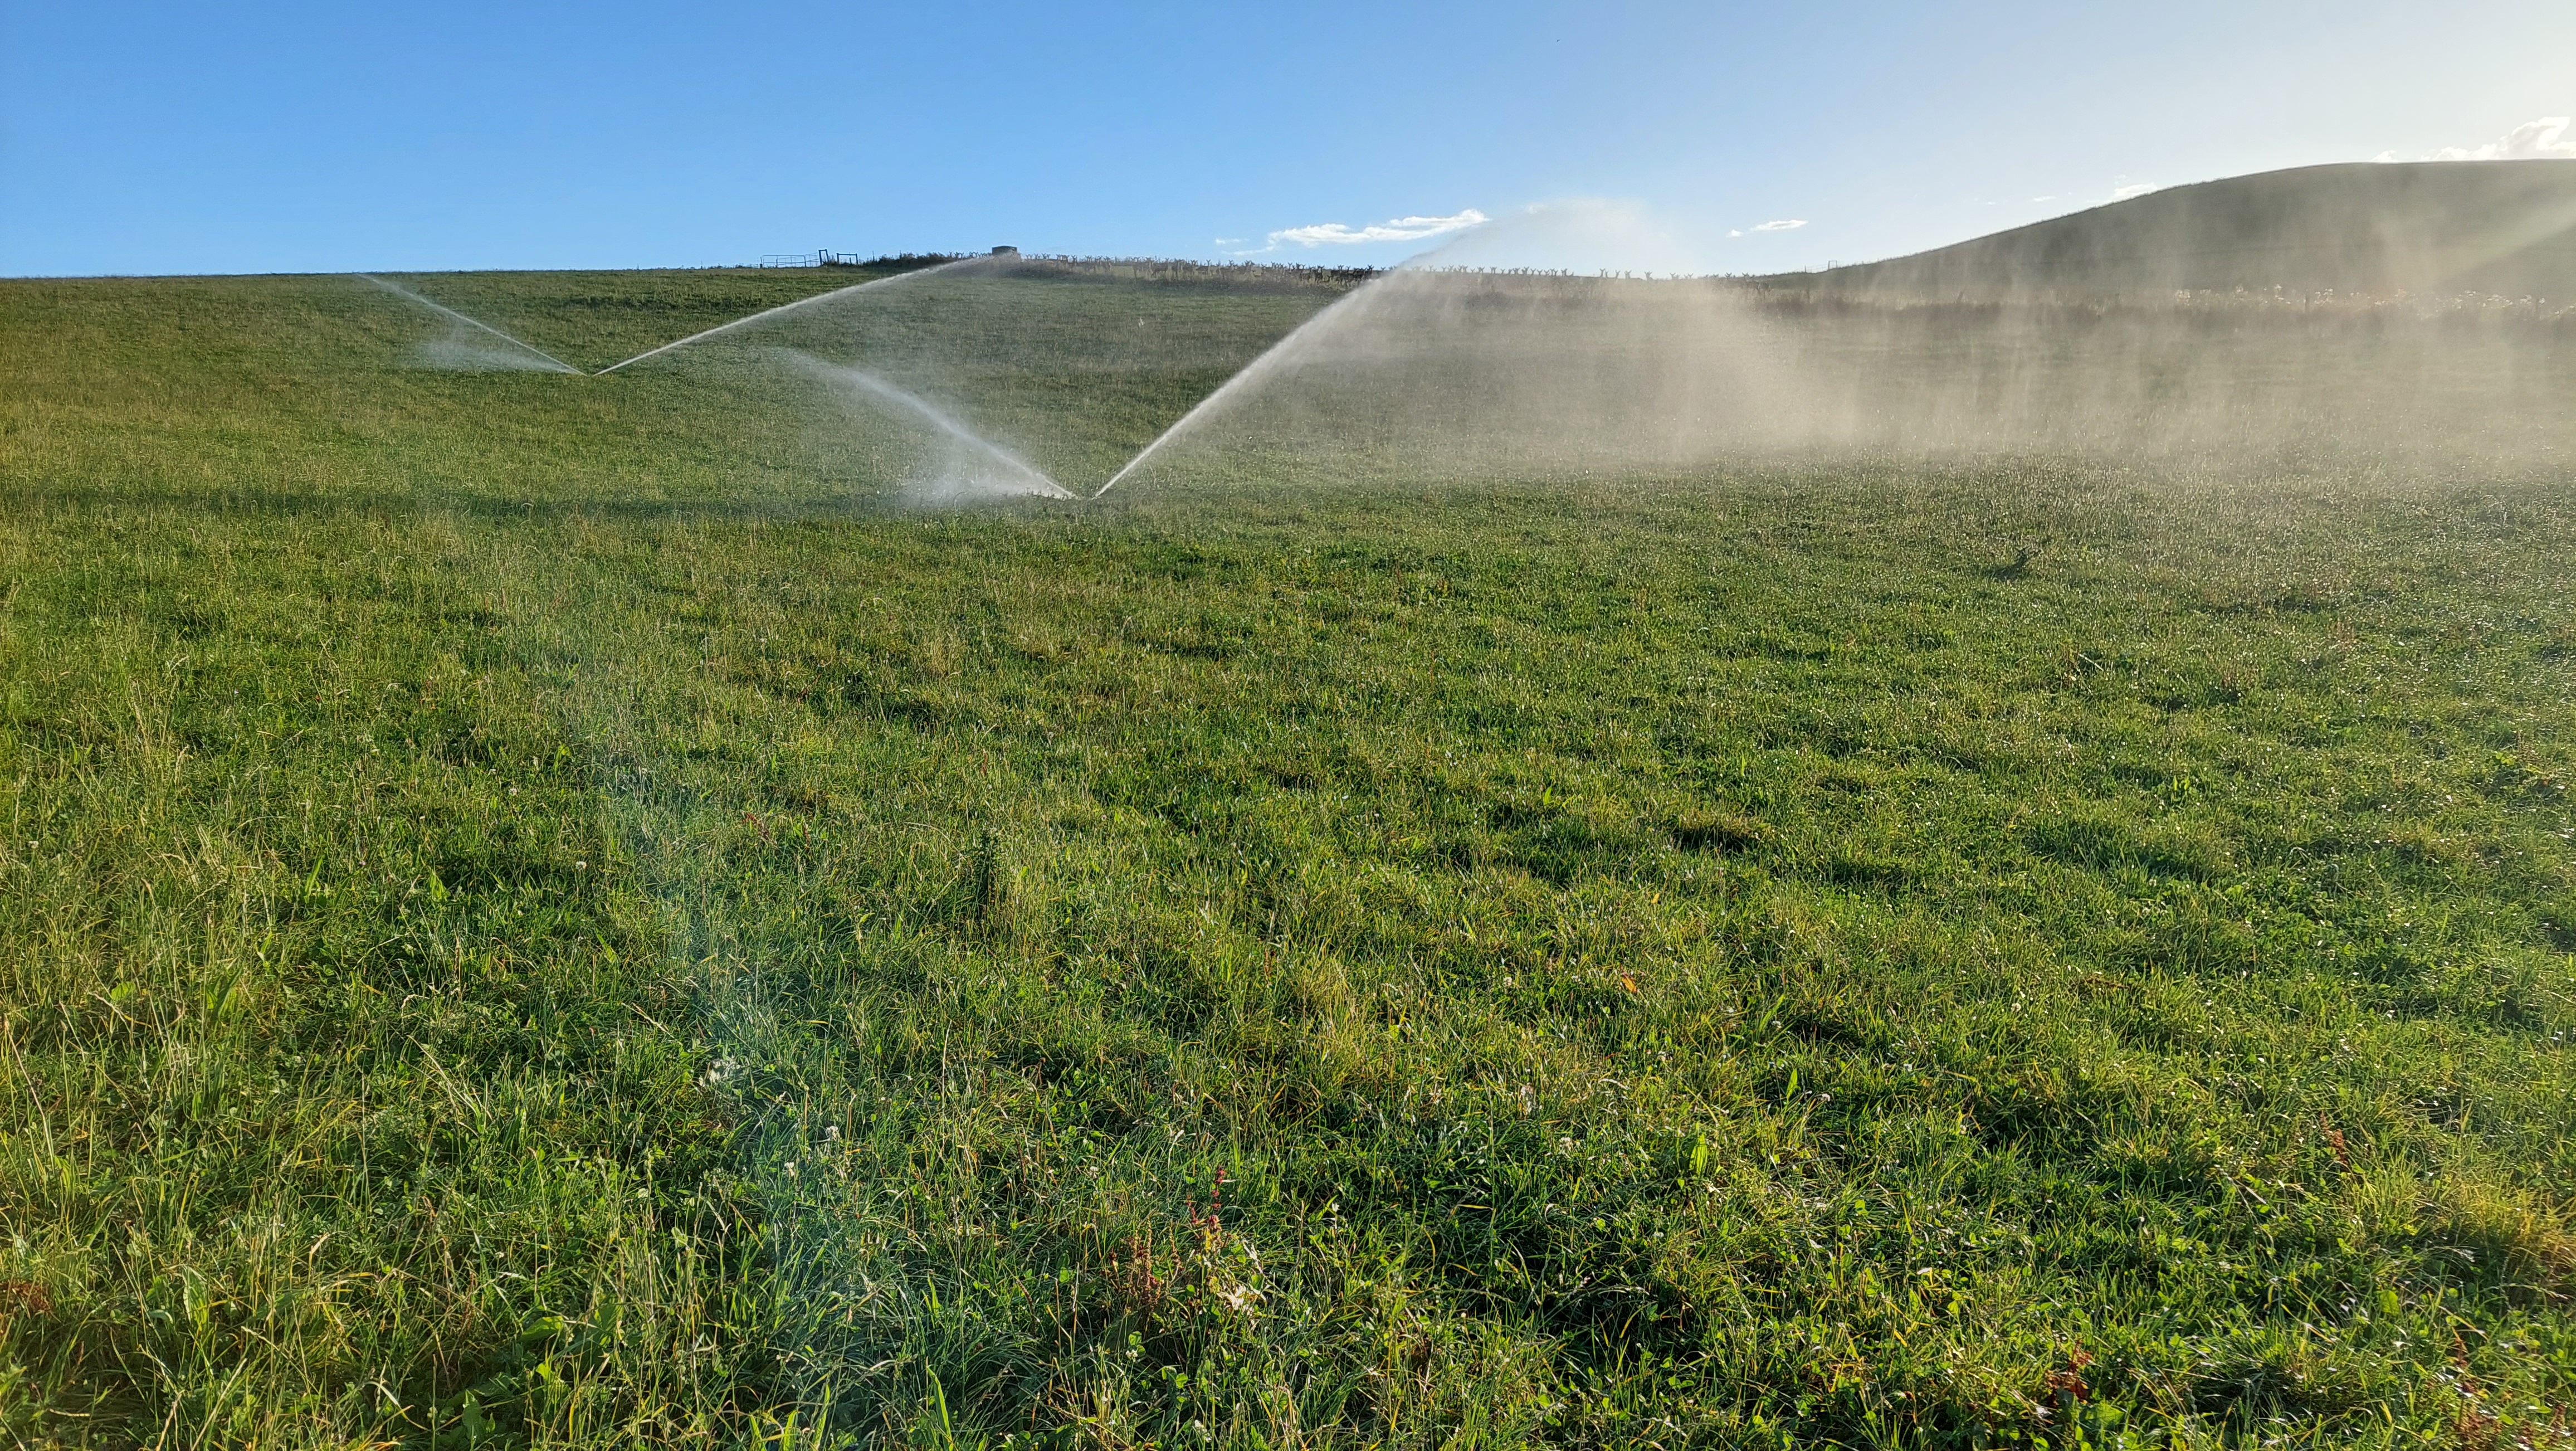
x=2506 y=227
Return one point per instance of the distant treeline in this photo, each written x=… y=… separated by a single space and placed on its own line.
x=1794 y=293
x=1259 y=276
x=898 y=262
x=1822 y=295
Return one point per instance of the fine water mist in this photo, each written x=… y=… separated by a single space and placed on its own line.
x=968 y=466
x=466 y=347
x=1281 y=357
x=1038 y=373
x=1587 y=339
x=802 y=304
x=1438 y=371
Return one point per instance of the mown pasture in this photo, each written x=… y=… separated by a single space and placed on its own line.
x=547 y=910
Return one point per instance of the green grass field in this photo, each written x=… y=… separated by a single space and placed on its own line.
x=540 y=910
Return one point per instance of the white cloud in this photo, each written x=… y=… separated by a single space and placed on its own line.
x=2137 y=188
x=1399 y=229
x=2529 y=141
x=1786 y=224
x=2538 y=140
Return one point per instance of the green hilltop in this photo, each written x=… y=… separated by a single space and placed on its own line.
x=2504 y=227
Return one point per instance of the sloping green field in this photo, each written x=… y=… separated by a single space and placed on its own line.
x=541 y=910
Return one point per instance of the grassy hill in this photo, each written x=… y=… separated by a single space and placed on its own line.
x=542 y=910
x=2506 y=227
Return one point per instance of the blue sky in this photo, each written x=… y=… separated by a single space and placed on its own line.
x=306 y=137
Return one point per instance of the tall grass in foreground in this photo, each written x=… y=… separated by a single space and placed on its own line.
x=522 y=926
x=1612 y=998
x=332 y=1087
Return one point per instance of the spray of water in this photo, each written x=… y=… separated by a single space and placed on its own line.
x=783 y=309
x=1505 y=355
x=974 y=466
x=1278 y=357
x=1545 y=370
x=1301 y=342
x=539 y=359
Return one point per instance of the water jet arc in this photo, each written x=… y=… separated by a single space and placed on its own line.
x=452 y=315
x=1029 y=478
x=1270 y=361
x=802 y=302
